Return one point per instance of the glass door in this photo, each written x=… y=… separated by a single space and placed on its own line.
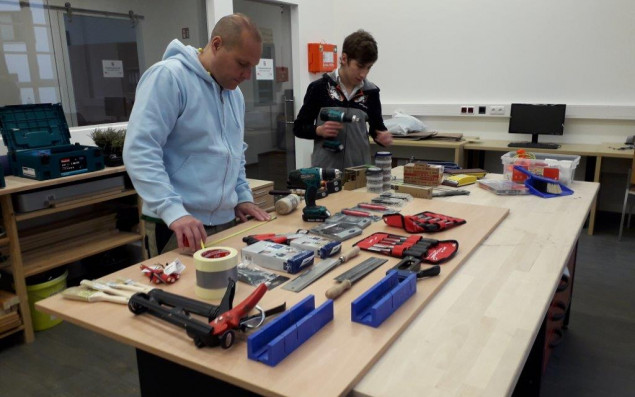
x=104 y=65
x=269 y=96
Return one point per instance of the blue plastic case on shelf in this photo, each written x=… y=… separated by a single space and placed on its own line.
x=38 y=142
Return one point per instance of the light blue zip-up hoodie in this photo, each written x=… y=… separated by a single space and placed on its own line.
x=184 y=148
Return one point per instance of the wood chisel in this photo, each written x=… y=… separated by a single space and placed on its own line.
x=318 y=270
x=348 y=278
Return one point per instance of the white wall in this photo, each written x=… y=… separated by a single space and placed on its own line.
x=435 y=56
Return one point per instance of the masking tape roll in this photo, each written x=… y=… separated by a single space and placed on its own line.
x=214 y=267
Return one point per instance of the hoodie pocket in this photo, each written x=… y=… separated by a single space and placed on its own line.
x=202 y=181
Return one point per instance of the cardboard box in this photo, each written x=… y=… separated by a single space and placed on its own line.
x=355 y=177
x=423 y=174
x=424 y=192
x=277 y=256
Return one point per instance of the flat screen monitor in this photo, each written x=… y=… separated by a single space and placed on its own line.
x=537 y=119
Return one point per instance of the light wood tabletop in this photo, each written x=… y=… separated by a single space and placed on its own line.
x=465 y=334
x=473 y=338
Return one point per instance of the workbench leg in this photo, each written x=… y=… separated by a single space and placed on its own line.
x=528 y=384
x=596 y=178
x=459 y=156
x=159 y=377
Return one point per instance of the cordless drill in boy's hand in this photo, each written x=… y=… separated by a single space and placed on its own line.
x=335 y=145
x=310 y=179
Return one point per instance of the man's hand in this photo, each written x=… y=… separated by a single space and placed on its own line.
x=384 y=138
x=244 y=209
x=189 y=233
x=329 y=129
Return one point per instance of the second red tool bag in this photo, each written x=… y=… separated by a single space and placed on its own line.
x=423 y=222
x=426 y=249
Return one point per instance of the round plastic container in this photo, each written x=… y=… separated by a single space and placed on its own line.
x=37 y=292
x=383 y=160
x=374 y=180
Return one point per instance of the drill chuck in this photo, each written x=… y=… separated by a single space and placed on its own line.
x=337 y=115
x=328 y=174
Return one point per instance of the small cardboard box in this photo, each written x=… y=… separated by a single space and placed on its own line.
x=423 y=174
x=277 y=256
x=424 y=192
x=355 y=177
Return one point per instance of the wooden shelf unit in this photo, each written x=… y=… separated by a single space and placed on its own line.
x=41 y=248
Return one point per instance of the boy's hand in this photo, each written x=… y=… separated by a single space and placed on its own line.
x=329 y=129
x=384 y=138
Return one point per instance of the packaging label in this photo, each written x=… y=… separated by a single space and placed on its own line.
x=70 y=165
x=27 y=171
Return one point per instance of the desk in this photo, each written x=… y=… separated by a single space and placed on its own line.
x=597 y=151
x=472 y=337
x=456 y=146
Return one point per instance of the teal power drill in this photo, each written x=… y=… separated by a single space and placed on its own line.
x=310 y=180
x=335 y=145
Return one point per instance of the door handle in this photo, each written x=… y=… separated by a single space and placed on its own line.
x=286 y=113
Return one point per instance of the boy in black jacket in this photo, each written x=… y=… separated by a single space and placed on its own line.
x=341 y=145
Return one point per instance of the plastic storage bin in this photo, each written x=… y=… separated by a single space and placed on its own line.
x=37 y=292
x=566 y=165
x=38 y=142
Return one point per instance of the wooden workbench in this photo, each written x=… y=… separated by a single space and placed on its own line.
x=472 y=335
x=344 y=349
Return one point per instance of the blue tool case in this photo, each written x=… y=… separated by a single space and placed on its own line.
x=38 y=142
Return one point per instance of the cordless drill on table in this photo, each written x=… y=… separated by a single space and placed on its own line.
x=335 y=145
x=310 y=180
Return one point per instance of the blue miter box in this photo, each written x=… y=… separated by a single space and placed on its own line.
x=38 y=142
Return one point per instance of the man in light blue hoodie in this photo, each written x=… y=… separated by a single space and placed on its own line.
x=184 y=148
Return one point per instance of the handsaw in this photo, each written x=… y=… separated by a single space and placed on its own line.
x=349 y=277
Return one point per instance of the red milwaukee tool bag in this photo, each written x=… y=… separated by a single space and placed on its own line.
x=423 y=222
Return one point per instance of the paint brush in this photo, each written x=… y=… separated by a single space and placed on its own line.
x=89 y=295
x=98 y=286
x=122 y=285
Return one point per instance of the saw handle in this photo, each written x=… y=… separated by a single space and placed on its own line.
x=353 y=252
x=338 y=289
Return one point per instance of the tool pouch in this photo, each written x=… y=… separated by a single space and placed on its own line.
x=423 y=222
x=427 y=250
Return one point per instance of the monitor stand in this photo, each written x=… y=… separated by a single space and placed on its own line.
x=534 y=144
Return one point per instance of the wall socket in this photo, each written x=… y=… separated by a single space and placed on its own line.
x=497 y=110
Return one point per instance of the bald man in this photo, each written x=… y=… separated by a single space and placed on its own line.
x=184 y=147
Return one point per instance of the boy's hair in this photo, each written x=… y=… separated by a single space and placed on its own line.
x=360 y=46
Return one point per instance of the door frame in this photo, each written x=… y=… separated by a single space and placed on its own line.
x=216 y=9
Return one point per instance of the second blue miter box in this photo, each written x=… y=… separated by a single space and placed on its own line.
x=38 y=142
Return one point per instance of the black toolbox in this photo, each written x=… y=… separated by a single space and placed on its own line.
x=38 y=142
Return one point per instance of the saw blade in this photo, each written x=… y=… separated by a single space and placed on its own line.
x=361 y=270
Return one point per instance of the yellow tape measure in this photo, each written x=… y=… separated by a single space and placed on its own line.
x=255 y=225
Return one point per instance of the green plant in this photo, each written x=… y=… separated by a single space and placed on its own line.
x=109 y=139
